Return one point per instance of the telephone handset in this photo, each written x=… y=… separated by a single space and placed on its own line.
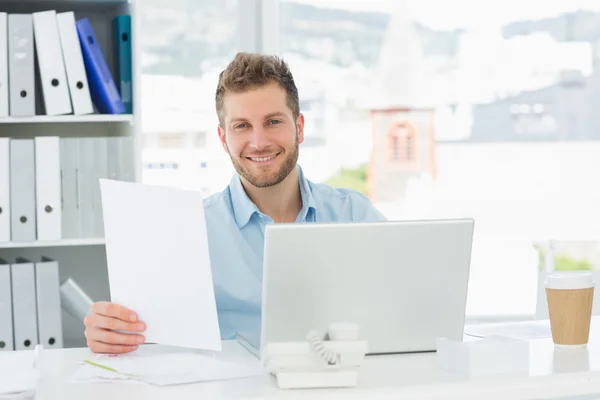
x=321 y=361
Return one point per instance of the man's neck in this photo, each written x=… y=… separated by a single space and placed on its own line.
x=281 y=202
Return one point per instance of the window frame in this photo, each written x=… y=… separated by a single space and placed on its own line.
x=258 y=22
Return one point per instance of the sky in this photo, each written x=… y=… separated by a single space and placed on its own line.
x=471 y=14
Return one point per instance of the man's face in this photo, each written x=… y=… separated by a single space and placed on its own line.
x=260 y=134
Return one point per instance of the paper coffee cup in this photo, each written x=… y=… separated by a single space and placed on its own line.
x=570 y=297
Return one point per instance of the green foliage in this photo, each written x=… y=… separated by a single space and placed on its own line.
x=352 y=178
x=564 y=263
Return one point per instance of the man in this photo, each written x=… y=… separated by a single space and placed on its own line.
x=260 y=127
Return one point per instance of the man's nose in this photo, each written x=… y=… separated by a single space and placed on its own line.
x=259 y=139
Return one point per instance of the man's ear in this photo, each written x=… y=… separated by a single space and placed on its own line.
x=222 y=138
x=300 y=127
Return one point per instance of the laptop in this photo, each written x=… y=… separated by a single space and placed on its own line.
x=403 y=282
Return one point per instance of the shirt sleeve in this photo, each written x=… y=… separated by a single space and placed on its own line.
x=372 y=214
x=365 y=211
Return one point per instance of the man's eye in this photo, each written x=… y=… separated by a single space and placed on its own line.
x=240 y=126
x=274 y=122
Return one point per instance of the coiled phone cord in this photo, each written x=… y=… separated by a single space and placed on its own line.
x=318 y=346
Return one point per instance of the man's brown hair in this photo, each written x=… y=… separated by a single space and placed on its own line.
x=250 y=70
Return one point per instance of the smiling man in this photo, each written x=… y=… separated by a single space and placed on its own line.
x=261 y=128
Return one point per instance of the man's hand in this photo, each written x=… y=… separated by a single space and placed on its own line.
x=105 y=317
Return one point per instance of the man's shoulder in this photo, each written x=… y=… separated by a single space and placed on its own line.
x=217 y=200
x=343 y=194
x=345 y=204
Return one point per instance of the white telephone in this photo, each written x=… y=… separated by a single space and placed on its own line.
x=319 y=362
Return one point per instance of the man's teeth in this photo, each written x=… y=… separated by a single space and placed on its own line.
x=263 y=159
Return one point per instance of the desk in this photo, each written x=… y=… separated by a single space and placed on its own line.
x=410 y=376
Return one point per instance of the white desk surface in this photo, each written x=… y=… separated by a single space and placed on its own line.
x=409 y=376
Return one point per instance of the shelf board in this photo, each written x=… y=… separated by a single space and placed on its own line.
x=68 y=119
x=27 y=6
x=58 y=243
x=67 y=125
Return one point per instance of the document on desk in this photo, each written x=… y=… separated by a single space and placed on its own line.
x=19 y=374
x=165 y=369
x=523 y=330
x=158 y=262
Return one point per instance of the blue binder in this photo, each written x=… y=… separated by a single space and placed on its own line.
x=122 y=46
x=102 y=86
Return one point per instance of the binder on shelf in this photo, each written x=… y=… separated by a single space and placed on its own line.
x=6 y=315
x=49 y=314
x=113 y=145
x=100 y=171
x=22 y=190
x=74 y=300
x=73 y=60
x=4 y=190
x=122 y=46
x=48 y=190
x=127 y=161
x=120 y=158
x=55 y=90
x=69 y=159
x=4 y=112
x=102 y=86
x=21 y=72
x=85 y=187
x=24 y=304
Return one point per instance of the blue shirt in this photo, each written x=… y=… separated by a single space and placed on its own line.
x=236 y=230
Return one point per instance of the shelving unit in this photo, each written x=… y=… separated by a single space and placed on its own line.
x=83 y=259
x=60 y=243
x=93 y=125
x=68 y=119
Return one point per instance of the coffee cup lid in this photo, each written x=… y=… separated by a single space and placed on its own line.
x=570 y=280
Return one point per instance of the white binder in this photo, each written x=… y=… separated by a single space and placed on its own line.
x=6 y=317
x=47 y=188
x=74 y=66
x=113 y=155
x=121 y=157
x=22 y=190
x=4 y=190
x=3 y=65
x=100 y=172
x=24 y=304
x=21 y=72
x=69 y=151
x=85 y=187
x=47 y=285
x=127 y=158
x=55 y=89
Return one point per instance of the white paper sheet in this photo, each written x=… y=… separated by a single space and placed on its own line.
x=87 y=373
x=514 y=330
x=165 y=369
x=19 y=373
x=158 y=262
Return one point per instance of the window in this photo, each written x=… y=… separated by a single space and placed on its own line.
x=510 y=140
x=395 y=148
x=184 y=45
x=402 y=146
x=500 y=99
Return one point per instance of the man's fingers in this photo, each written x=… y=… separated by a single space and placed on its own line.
x=114 y=310
x=100 y=321
x=105 y=348
x=109 y=337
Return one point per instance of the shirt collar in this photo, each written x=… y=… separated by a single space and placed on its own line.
x=244 y=208
x=308 y=201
